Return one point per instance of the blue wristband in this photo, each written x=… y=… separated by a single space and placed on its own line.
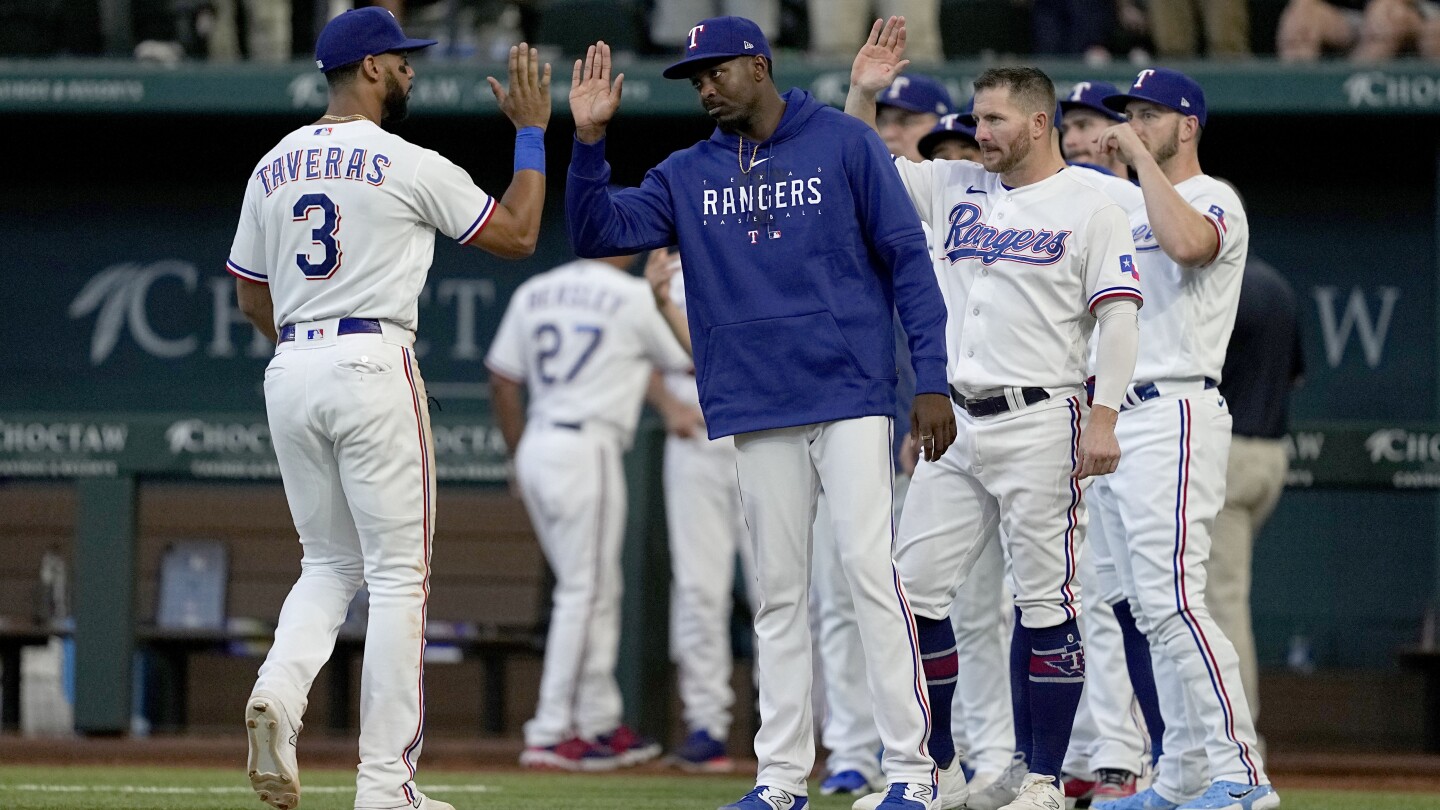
x=530 y=149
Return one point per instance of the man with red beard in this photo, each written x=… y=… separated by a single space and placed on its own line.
x=1031 y=257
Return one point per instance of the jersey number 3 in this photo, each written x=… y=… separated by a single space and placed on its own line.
x=325 y=235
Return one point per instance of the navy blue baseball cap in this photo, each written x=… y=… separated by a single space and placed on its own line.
x=1168 y=88
x=1091 y=96
x=949 y=126
x=917 y=93
x=716 y=40
x=359 y=33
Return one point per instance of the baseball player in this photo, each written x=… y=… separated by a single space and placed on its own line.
x=582 y=340
x=336 y=235
x=951 y=138
x=798 y=247
x=1037 y=259
x=1192 y=238
x=983 y=725
x=706 y=530
x=1107 y=746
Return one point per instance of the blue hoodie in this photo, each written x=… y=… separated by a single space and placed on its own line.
x=792 y=271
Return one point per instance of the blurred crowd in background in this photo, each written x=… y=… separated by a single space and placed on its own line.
x=1097 y=31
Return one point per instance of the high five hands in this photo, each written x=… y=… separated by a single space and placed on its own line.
x=594 y=100
x=527 y=100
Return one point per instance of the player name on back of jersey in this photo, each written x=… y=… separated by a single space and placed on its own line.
x=329 y=163
x=574 y=296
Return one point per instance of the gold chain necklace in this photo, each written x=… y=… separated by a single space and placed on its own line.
x=344 y=118
x=740 y=156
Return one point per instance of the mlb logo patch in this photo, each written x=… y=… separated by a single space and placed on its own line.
x=323 y=130
x=1127 y=267
x=314 y=334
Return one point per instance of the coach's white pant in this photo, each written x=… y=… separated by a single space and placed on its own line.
x=351 y=432
x=781 y=472
x=1013 y=470
x=1169 y=487
x=848 y=727
x=574 y=490
x=983 y=723
x=1108 y=731
x=707 y=530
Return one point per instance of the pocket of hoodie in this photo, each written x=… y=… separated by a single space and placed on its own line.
x=779 y=361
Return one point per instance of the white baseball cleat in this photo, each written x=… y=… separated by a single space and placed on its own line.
x=272 y=735
x=954 y=793
x=1003 y=789
x=1038 y=792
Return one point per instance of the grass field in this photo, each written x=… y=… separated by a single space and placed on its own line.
x=127 y=788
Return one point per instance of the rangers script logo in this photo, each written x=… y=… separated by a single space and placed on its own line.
x=971 y=238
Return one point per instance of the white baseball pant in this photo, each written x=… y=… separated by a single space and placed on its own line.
x=1013 y=470
x=574 y=489
x=1108 y=731
x=1169 y=488
x=351 y=432
x=707 y=530
x=848 y=730
x=781 y=473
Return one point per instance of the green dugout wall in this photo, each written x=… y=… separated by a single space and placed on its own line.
x=122 y=350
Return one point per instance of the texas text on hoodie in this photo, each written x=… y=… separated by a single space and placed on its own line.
x=791 y=270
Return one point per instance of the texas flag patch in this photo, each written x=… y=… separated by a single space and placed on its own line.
x=1219 y=214
x=1127 y=266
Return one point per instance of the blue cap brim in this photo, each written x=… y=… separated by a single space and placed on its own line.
x=1118 y=102
x=414 y=45
x=1114 y=115
x=685 y=67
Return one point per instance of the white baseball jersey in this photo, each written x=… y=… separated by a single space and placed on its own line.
x=293 y=230
x=1192 y=310
x=583 y=338
x=1119 y=189
x=1020 y=280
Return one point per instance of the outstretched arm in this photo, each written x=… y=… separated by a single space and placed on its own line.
x=876 y=66
x=514 y=228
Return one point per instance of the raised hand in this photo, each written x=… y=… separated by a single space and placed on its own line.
x=593 y=99
x=527 y=101
x=880 y=59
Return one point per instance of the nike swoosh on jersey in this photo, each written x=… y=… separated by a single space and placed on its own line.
x=973 y=190
x=758 y=162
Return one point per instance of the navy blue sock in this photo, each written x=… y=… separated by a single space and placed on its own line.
x=1057 y=677
x=937 y=653
x=1020 y=687
x=1142 y=677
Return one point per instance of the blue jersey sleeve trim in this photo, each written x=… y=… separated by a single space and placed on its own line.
x=1115 y=292
x=248 y=275
x=479 y=224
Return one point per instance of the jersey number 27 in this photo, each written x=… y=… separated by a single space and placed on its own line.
x=325 y=235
